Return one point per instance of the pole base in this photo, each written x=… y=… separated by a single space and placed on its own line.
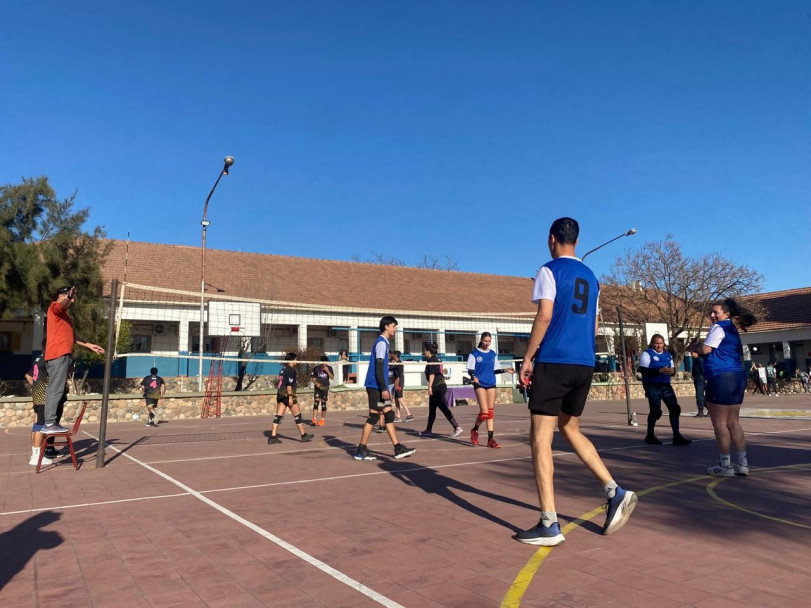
x=632 y=420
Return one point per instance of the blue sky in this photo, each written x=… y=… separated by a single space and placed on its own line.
x=411 y=128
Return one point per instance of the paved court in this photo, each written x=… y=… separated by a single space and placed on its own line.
x=204 y=513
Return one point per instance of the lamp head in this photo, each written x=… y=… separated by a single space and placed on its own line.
x=229 y=161
x=630 y=232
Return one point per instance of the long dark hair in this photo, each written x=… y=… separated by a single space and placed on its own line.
x=485 y=334
x=743 y=317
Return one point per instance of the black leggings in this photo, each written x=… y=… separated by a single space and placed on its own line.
x=656 y=393
x=437 y=400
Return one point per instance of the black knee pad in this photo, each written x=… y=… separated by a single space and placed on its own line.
x=388 y=417
x=373 y=418
x=323 y=407
x=277 y=419
x=297 y=418
x=657 y=414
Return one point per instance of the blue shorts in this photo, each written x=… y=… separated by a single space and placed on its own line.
x=727 y=388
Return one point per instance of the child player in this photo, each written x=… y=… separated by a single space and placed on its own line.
x=286 y=398
x=322 y=374
x=154 y=389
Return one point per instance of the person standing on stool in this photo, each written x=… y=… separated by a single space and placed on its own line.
x=656 y=367
x=59 y=343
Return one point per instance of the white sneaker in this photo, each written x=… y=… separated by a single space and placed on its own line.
x=398 y=419
x=457 y=431
x=741 y=469
x=721 y=471
x=33 y=460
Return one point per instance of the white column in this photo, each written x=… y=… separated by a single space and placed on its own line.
x=354 y=342
x=399 y=340
x=183 y=336
x=440 y=341
x=746 y=354
x=787 y=356
x=302 y=336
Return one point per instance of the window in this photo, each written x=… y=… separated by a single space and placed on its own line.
x=317 y=343
x=5 y=342
x=141 y=344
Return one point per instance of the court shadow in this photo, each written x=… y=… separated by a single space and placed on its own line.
x=431 y=481
x=22 y=542
x=112 y=442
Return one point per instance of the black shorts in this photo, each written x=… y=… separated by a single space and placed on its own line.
x=322 y=394
x=284 y=399
x=152 y=402
x=476 y=385
x=727 y=388
x=375 y=402
x=398 y=393
x=560 y=387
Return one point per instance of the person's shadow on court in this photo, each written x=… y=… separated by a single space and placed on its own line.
x=432 y=482
x=19 y=544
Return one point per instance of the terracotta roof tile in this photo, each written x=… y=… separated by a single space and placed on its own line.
x=788 y=309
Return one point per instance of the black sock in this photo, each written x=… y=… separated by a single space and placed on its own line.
x=489 y=435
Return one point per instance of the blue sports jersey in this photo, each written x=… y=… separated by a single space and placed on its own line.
x=728 y=356
x=570 y=335
x=379 y=351
x=482 y=364
x=657 y=361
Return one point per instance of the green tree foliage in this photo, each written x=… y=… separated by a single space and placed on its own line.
x=44 y=246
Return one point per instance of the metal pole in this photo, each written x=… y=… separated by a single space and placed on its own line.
x=229 y=161
x=631 y=415
x=108 y=368
x=628 y=233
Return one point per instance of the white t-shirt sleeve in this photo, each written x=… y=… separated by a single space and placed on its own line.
x=545 y=287
x=380 y=350
x=471 y=362
x=644 y=359
x=714 y=336
x=496 y=363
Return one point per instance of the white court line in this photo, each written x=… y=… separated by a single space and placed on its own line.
x=313 y=561
x=93 y=504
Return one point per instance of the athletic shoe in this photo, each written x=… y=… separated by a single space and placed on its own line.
x=52 y=453
x=362 y=453
x=698 y=414
x=33 y=460
x=54 y=428
x=401 y=451
x=652 y=440
x=322 y=422
x=679 y=440
x=313 y=422
x=474 y=436
x=457 y=431
x=306 y=437
x=273 y=439
x=720 y=470
x=491 y=443
x=409 y=418
x=398 y=419
x=740 y=468
x=380 y=429
x=541 y=535
x=427 y=434
x=706 y=413
x=618 y=510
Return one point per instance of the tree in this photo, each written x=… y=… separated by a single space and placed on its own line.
x=43 y=246
x=430 y=262
x=659 y=284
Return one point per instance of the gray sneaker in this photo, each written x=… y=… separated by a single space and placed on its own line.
x=54 y=428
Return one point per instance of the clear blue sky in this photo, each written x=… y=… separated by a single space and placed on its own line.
x=438 y=127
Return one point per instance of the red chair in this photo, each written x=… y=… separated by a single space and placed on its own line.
x=62 y=438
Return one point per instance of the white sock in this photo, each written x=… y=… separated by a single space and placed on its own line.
x=548 y=518
x=725 y=460
x=742 y=458
x=611 y=488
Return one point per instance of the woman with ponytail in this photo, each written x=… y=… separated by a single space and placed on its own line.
x=726 y=383
x=483 y=365
x=436 y=392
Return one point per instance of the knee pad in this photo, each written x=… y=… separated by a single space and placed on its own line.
x=373 y=418
x=482 y=418
x=323 y=407
x=277 y=419
x=657 y=414
x=675 y=410
x=491 y=414
x=388 y=417
x=297 y=418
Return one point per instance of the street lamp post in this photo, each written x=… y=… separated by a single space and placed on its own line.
x=629 y=233
x=229 y=161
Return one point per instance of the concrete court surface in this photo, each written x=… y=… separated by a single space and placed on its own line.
x=205 y=513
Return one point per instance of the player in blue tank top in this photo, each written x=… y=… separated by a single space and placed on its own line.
x=656 y=366
x=560 y=360
x=726 y=383
x=377 y=391
x=483 y=365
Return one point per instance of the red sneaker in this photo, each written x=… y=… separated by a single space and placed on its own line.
x=474 y=436
x=492 y=444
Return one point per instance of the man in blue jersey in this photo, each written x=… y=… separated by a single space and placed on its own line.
x=560 y=360
x=377 y=390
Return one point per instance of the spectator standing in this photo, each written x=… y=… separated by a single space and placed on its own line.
x=771 y=380
x=656 y=367
x=699 y=383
